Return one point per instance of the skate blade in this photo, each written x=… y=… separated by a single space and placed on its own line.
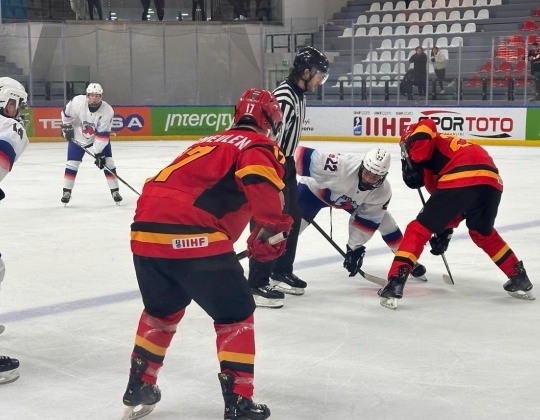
x=522 y=295
x=421 y=278
x=137 y=412
x=8 y=377
x=268 y=303
x=390 y=303
x=285 y=288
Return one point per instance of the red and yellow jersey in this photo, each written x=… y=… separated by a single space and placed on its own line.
x=200 y=204
x=450 y=161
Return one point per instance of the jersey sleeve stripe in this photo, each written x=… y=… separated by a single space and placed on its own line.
x=261 y=171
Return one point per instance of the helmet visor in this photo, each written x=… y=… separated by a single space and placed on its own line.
x=322 y=76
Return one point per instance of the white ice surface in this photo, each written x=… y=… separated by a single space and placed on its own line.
x=70 y=304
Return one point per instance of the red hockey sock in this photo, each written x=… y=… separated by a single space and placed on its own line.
x=497 y=249
x=154 y=335
x=236 y=353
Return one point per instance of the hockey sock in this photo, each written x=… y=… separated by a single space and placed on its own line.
x=236 y=353
x=411 y=247
x=497 y=249
x=154 y=335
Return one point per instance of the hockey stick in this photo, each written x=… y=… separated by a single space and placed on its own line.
x=278 y=237
x=374 y=279
x=448 y=279
x=82 y=146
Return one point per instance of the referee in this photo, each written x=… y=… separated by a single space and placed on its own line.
x=310 y=69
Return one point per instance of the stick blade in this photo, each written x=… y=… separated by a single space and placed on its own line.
x=390 y=303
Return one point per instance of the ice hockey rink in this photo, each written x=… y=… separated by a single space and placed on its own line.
x=70 y=305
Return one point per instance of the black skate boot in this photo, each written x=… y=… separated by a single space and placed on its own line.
x=267 y=297
x=8 y=370
x=519 y=285
x=419 y=272
x=116 y=195
x=238 y=407
x=140 y=397
x=66 y=195
x=394 y=289
x=288 y=283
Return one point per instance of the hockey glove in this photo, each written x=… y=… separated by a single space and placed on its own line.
x=354 y=259
x=413 y=177
x=258 y=245
x=439 y=242
x=67 y=132
x=100 y=160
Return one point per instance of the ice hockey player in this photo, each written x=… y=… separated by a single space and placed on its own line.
x=357 y=185
x=464 y=184
x=13 y=142
x=186 y=222
x=87 y=122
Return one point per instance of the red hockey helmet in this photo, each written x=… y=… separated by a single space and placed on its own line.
x=261 y=108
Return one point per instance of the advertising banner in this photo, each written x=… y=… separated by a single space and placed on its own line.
x=132 y=121
x=191 y=121
x=533 y=124
x=379 y=123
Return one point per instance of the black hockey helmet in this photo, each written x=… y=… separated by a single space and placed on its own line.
x=312 y=59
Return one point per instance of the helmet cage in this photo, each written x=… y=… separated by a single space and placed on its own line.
x=10 y=89
x=377 y=163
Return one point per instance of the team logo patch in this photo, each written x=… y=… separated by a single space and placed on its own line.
x=198 y=242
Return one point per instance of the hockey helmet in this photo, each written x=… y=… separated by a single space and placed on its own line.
x=261 y=108
x=94 y=88
x=312 y=59
x=373 y=169
x=10 y=89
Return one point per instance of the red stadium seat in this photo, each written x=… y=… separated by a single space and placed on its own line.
x=504 y=52
x=537 y=13
x=532 y=38
x=474 y=81
x=529 y=25
x=515 y=40
x=504 y=67
x=486 y=68
x=521 y=66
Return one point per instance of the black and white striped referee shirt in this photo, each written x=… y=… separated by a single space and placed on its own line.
x=293 y=104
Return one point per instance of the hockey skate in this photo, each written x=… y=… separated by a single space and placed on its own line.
x=419 y=272
x=66 y=196
x=267 y=297
x=394 y=289
x=519 y=285
x=288 y=283
x=238 y=407
x=8 y=370
x=116 y=195
x=140 y=397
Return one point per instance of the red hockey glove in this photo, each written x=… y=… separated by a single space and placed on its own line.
x=265 y=245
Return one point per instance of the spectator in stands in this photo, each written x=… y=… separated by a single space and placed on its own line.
x=534 y=59
x=160 y=8
x=263 y=10
x=419 y=61
x=97 y=5
x=439 y=65
x=198 y=4
x=239 y=9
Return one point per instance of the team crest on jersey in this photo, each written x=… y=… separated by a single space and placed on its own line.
x=197 y=242
x=89 y=130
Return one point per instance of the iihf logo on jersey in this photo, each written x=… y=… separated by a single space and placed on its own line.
x=198 y=242
x=357 y=127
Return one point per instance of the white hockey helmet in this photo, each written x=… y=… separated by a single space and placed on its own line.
x=11 y=89
x=374 y=169
x=94 y=88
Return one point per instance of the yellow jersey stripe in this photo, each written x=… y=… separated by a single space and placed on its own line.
x=167 y=238
x=264 y=171
x=469 y=174
x=151 y=347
